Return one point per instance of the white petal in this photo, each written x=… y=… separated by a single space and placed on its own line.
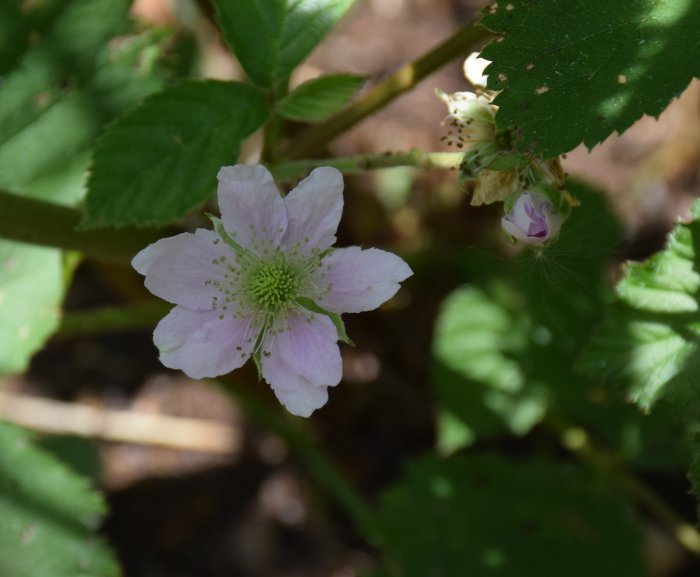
x=314 y=209
x=474 y=69
x=303 y=399
x=252 y=208
x=352 y=280
x=299 y=354
x=183 y=269
x=201 y=344
x=510 y=229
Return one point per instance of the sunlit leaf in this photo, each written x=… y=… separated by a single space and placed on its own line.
x=505 y=346
x=272 y=37
x=68 y=68
x=573 y=71
x=478 y=340
x=30 y=294
x=73 y=80
x=649 y=342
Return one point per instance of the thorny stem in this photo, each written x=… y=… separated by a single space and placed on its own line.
x=578 y=442
x=38 y=222
x=312 y=140
x=364 y=162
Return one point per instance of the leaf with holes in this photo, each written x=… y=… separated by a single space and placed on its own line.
x=160 y=161
x=573 y=71
x=272 y=37
x=48 y=515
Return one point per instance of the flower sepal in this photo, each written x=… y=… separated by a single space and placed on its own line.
x=337 y=320
x=251 y=287
x=221 y=231
x=507 y=160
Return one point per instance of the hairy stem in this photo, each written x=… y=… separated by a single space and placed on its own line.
x=364 y=162
x=576 y=440
x=48 y=224
x=312 y=140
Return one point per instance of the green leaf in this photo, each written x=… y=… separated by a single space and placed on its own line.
x=14 y=36
x=48 y=515
x=272 y=37
x=31 y=292
x=505 y=349
x=478 y=340
x=160 y=161
x=319 y=98
x=564 y=283
x=593 y=67
x=80 y=454
x=649 y=342
x=68 y=83
x=484 y=515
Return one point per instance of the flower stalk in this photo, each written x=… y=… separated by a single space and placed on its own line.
x=312 y=140
x=365 y=162
x=49 y=224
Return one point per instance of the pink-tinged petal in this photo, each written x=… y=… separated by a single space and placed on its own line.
x=202 y=344
x=352 y=280
x=532 y=219
x=187 y=269
x=252 y=208
x=302 y=400
x=314 y=209
x=301 y=352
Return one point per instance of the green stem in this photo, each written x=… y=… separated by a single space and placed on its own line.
x=44 y=223
x=321 y=468
x=110 y=319
x=364 y=162
x=38 y=222
x=312 y=140
x=271 y=133
x=576 y=440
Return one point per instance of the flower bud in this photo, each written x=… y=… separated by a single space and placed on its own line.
x=474 y=67
x=531 y=218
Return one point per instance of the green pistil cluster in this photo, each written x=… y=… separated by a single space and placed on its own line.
x=273 y=285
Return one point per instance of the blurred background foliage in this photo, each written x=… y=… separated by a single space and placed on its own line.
x=483 y=430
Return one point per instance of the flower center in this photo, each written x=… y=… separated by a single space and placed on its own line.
x=273 y=284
